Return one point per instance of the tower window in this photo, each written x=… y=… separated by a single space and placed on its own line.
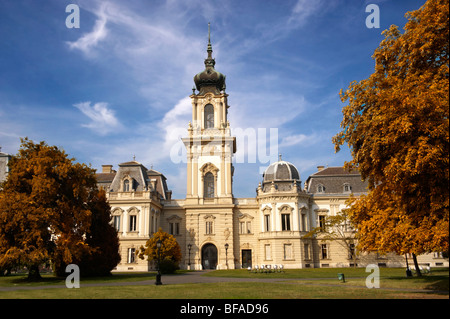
x=209 y=116
x=209 y=185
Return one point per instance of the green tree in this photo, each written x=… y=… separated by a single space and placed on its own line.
x=396 y=125
x=46 y=209
x=170 y=251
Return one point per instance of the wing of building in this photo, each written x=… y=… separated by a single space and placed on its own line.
x=217 y=230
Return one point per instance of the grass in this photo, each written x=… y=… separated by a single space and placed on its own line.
x=300 y=284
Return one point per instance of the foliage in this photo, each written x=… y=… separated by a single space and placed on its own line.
x=338 y=228
x=47 y=209
x=396 y=125
x=170 y=249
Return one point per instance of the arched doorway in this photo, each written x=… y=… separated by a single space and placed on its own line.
x=209 y=256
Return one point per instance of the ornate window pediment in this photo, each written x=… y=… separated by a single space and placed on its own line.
x=209 y=167
x=245 y=217
x=174 y=219
x=286 y=209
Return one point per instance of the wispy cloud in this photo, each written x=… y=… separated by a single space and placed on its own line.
x=88 y=41
x=103 y=119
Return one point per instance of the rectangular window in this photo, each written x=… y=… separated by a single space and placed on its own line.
x=241 y=228
x=131 y=255
x=249 y=227
x=322 y=222
x=133 y=219
x=267 y=222
x=267 y=252
x=116 y=222
x=303 y=222
x=209 y=228
x=306 y=251
x=351 y=252
x=174 y=228
x=324 y=251
x=285 y=222
x=287 y=251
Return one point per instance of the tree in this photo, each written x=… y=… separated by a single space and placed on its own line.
x=46 y=209
x=337 y=228
x=397 y=128
x=101 y=237
x=170 y=249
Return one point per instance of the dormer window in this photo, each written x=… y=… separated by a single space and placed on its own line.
x=126 y=185
x=347 y=188
x=320 y=188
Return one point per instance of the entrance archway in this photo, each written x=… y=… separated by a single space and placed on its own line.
x=209 y=256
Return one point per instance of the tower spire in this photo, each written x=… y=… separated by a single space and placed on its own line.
x=209 y=49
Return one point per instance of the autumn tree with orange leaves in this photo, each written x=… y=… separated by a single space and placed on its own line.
x=169 y=254
x=397 y=128
x=51 y=211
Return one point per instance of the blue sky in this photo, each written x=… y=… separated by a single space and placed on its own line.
x=118 y=86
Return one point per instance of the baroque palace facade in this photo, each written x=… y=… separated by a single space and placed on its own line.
x=214 y=229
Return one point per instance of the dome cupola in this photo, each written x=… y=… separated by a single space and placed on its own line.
x=281 y=171
x=280 y=176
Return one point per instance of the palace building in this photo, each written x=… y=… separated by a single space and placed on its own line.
x=216 y=230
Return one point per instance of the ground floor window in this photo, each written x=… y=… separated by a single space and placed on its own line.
x=324 y=251
x=267 y=252
x=131 y=255
x=306 y=251
x=287 y=249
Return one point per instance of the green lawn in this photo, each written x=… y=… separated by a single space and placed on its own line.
x=299 y=284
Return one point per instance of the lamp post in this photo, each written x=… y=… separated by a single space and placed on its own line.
x=226 y=254
x=158 y=275
x=189 y=260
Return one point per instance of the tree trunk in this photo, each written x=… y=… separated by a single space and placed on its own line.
x=33 y=273
x=416 y=265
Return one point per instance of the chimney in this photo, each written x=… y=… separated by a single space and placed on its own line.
x=319 y=168
x=107 y=169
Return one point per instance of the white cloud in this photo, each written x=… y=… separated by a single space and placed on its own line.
x=89 y=40
x=103 y=118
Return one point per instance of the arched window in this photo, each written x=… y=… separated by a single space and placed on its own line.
x=209 y=116
x=320 y=188
x=126 y=185
x=347 y=188
x=208 y=185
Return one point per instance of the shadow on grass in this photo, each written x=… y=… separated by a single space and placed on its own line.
x=21 y=279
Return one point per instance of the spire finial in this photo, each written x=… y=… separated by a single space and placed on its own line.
x=209 y=49
x=209 y=32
